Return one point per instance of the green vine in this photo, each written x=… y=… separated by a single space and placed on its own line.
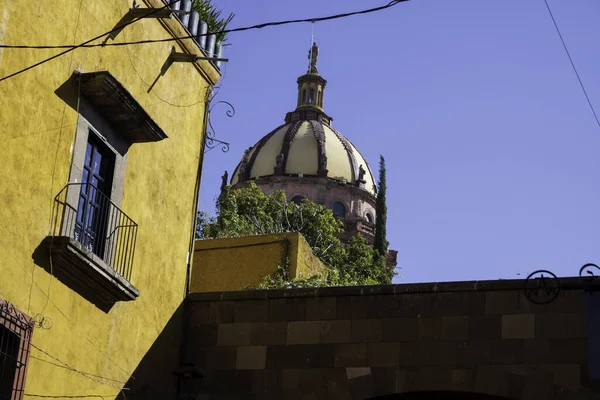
x=209 y=14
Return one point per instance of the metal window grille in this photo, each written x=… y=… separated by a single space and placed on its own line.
x=15 y=334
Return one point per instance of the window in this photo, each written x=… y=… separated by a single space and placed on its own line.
x=339 y=210
x=311 y=96
x=369 y=217
x=94 y=244
x=15 y=332
x=94 y=196
x=297 y=200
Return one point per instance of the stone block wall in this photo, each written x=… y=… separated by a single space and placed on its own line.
x=362 y=342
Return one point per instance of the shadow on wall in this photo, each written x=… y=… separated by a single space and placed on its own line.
x=439 y=395
x=153 y=378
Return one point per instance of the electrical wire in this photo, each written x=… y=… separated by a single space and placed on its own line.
x=572 y=63
x=71 y=48
x=245 y=28
x=129 y=374
x=67 y=368
x=153 y=91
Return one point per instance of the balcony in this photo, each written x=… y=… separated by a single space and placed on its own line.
x=93 y=245
x=367 y=229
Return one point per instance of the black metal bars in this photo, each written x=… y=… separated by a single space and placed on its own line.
x=98 y=224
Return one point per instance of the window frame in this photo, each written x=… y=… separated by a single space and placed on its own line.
x=21 y=325
x=91 y=123
x=344 y=208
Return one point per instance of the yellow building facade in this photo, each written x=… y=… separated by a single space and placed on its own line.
x=98 y=192
x=237 y=263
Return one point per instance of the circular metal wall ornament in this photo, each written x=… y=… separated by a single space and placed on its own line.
x=587 y=272
x=542 y=287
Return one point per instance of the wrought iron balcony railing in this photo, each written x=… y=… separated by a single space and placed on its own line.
x=98 y=224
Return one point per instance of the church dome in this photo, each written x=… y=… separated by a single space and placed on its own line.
x=306 y=145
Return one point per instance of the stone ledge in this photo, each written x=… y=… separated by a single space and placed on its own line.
x=87 y=274
x=568 y=283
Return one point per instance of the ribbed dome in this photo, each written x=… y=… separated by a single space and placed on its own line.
x=308 y=147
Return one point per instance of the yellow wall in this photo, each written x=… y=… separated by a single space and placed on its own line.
x=235 y=263
x=37 y=131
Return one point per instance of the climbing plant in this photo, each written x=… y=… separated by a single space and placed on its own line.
x=248 y=211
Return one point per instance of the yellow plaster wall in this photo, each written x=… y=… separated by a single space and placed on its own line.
x=235 y=263
x=37 y=131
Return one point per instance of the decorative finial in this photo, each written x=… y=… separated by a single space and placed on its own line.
x=313 y=55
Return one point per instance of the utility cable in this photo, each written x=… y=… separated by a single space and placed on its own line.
x=71 y=48
x=572 y=63
x=69 y=369
x=67 y=366
x=245 y=28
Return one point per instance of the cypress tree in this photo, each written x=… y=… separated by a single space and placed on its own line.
x=381 y=243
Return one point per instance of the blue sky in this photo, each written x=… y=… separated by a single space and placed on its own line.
x=490 y=144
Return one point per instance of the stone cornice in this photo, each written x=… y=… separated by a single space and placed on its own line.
x=311 y=180
x=570 y=283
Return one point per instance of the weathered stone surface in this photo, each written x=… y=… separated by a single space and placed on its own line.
x=383 y=354
x=321 y=308
x=352 y=307
x=303 y=332
x=203 y=336
x=400 y=329
x=251 y=357
x=300 y=356
x=473 y=353
x=267 y=382
x=455 y=328
x=269 y=333
x=502 y=302
x=366 y=330
x=436 y=378
x=223 y=357
x=485 y=327
x=361 y=345
x=382 y=306
x=221 y=312
x=518 y=326
x=508 y=351
x=440 y=353
x=463 y=379
x=560 y=326
x=236 y=334
x=350 y=355
x=430 y=328
x=286 y=310
x=565 y=375
x=250 y=311
x=335 y=331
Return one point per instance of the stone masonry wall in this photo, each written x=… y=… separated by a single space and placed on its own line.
x=361 y=342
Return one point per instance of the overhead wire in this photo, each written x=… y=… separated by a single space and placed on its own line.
x=71 y=48
x=572 y=62
x=241 y=29
x=129 y=374
x=67 y=366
